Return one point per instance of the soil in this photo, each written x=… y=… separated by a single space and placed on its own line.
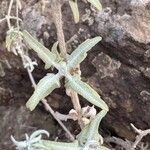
x=118 y=68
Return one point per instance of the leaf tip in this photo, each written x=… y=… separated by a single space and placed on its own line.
x=99 y=38
x=30 y=105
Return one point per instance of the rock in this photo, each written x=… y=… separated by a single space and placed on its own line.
x=124 y=26
x=105 y=66
x=147 y=72
x=18 y=121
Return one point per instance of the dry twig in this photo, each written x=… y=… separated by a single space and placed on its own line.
x=139 y=137
x=57 y=16
x=124 y=144
x=128 y=145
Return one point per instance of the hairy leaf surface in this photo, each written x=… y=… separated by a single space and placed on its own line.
x=61 y=145
x=66 y=146
x=90 y=131
x=86 y=91
x=44 y=53
x=45 y=86
x=80 y=53
x=96 y=3
x=54 y=50
x=75 y=10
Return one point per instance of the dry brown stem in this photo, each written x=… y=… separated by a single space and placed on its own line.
x=57 y=16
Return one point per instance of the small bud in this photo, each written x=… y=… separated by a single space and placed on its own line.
x=85 y=121
x=73 y=114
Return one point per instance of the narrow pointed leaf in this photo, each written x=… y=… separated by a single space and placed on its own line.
x=47 y=57
x=39 y=132
x=51 y=145
x=103 y=148
x=80 y=53
x=54 y=50
x=75 y=10
x=43 y=89
x=96 y=3
x=90 y=131
x=86 y=91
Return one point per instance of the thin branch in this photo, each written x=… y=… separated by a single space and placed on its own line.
x=8 y=13
x=11 y=17
x=124 y=144
x=64 y=117
x=139 y=137
x=49 y=109
x=8 y=17
x=17 y=15
x=57 y=16
x=128 y=145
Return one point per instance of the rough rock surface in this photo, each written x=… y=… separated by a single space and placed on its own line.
x=118 y=67
x=126 y=39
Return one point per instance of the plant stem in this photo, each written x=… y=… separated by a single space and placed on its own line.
x=8 y=13
x=139 y=137
x=57 y=16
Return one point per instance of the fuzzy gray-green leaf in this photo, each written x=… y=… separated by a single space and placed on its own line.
x=90 y=131
x=80 y=53
x=54 y=50
x=96 y=3
x=86 y=91
x=45 y=86
x=61 y=145
x=44 y=53
x=75 y=10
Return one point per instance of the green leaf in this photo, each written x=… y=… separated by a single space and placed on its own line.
x=90 y=131
x=37 y=133
x=45 y=86
x=96 y=3
x=75 y=10
x=86 y=91
x=60 y=145
x=80 y=53
x=54 y=50
x=44 y=53
x=103 y=148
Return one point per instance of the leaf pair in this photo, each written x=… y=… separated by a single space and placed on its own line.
x=75 y=10
x=50 y=82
